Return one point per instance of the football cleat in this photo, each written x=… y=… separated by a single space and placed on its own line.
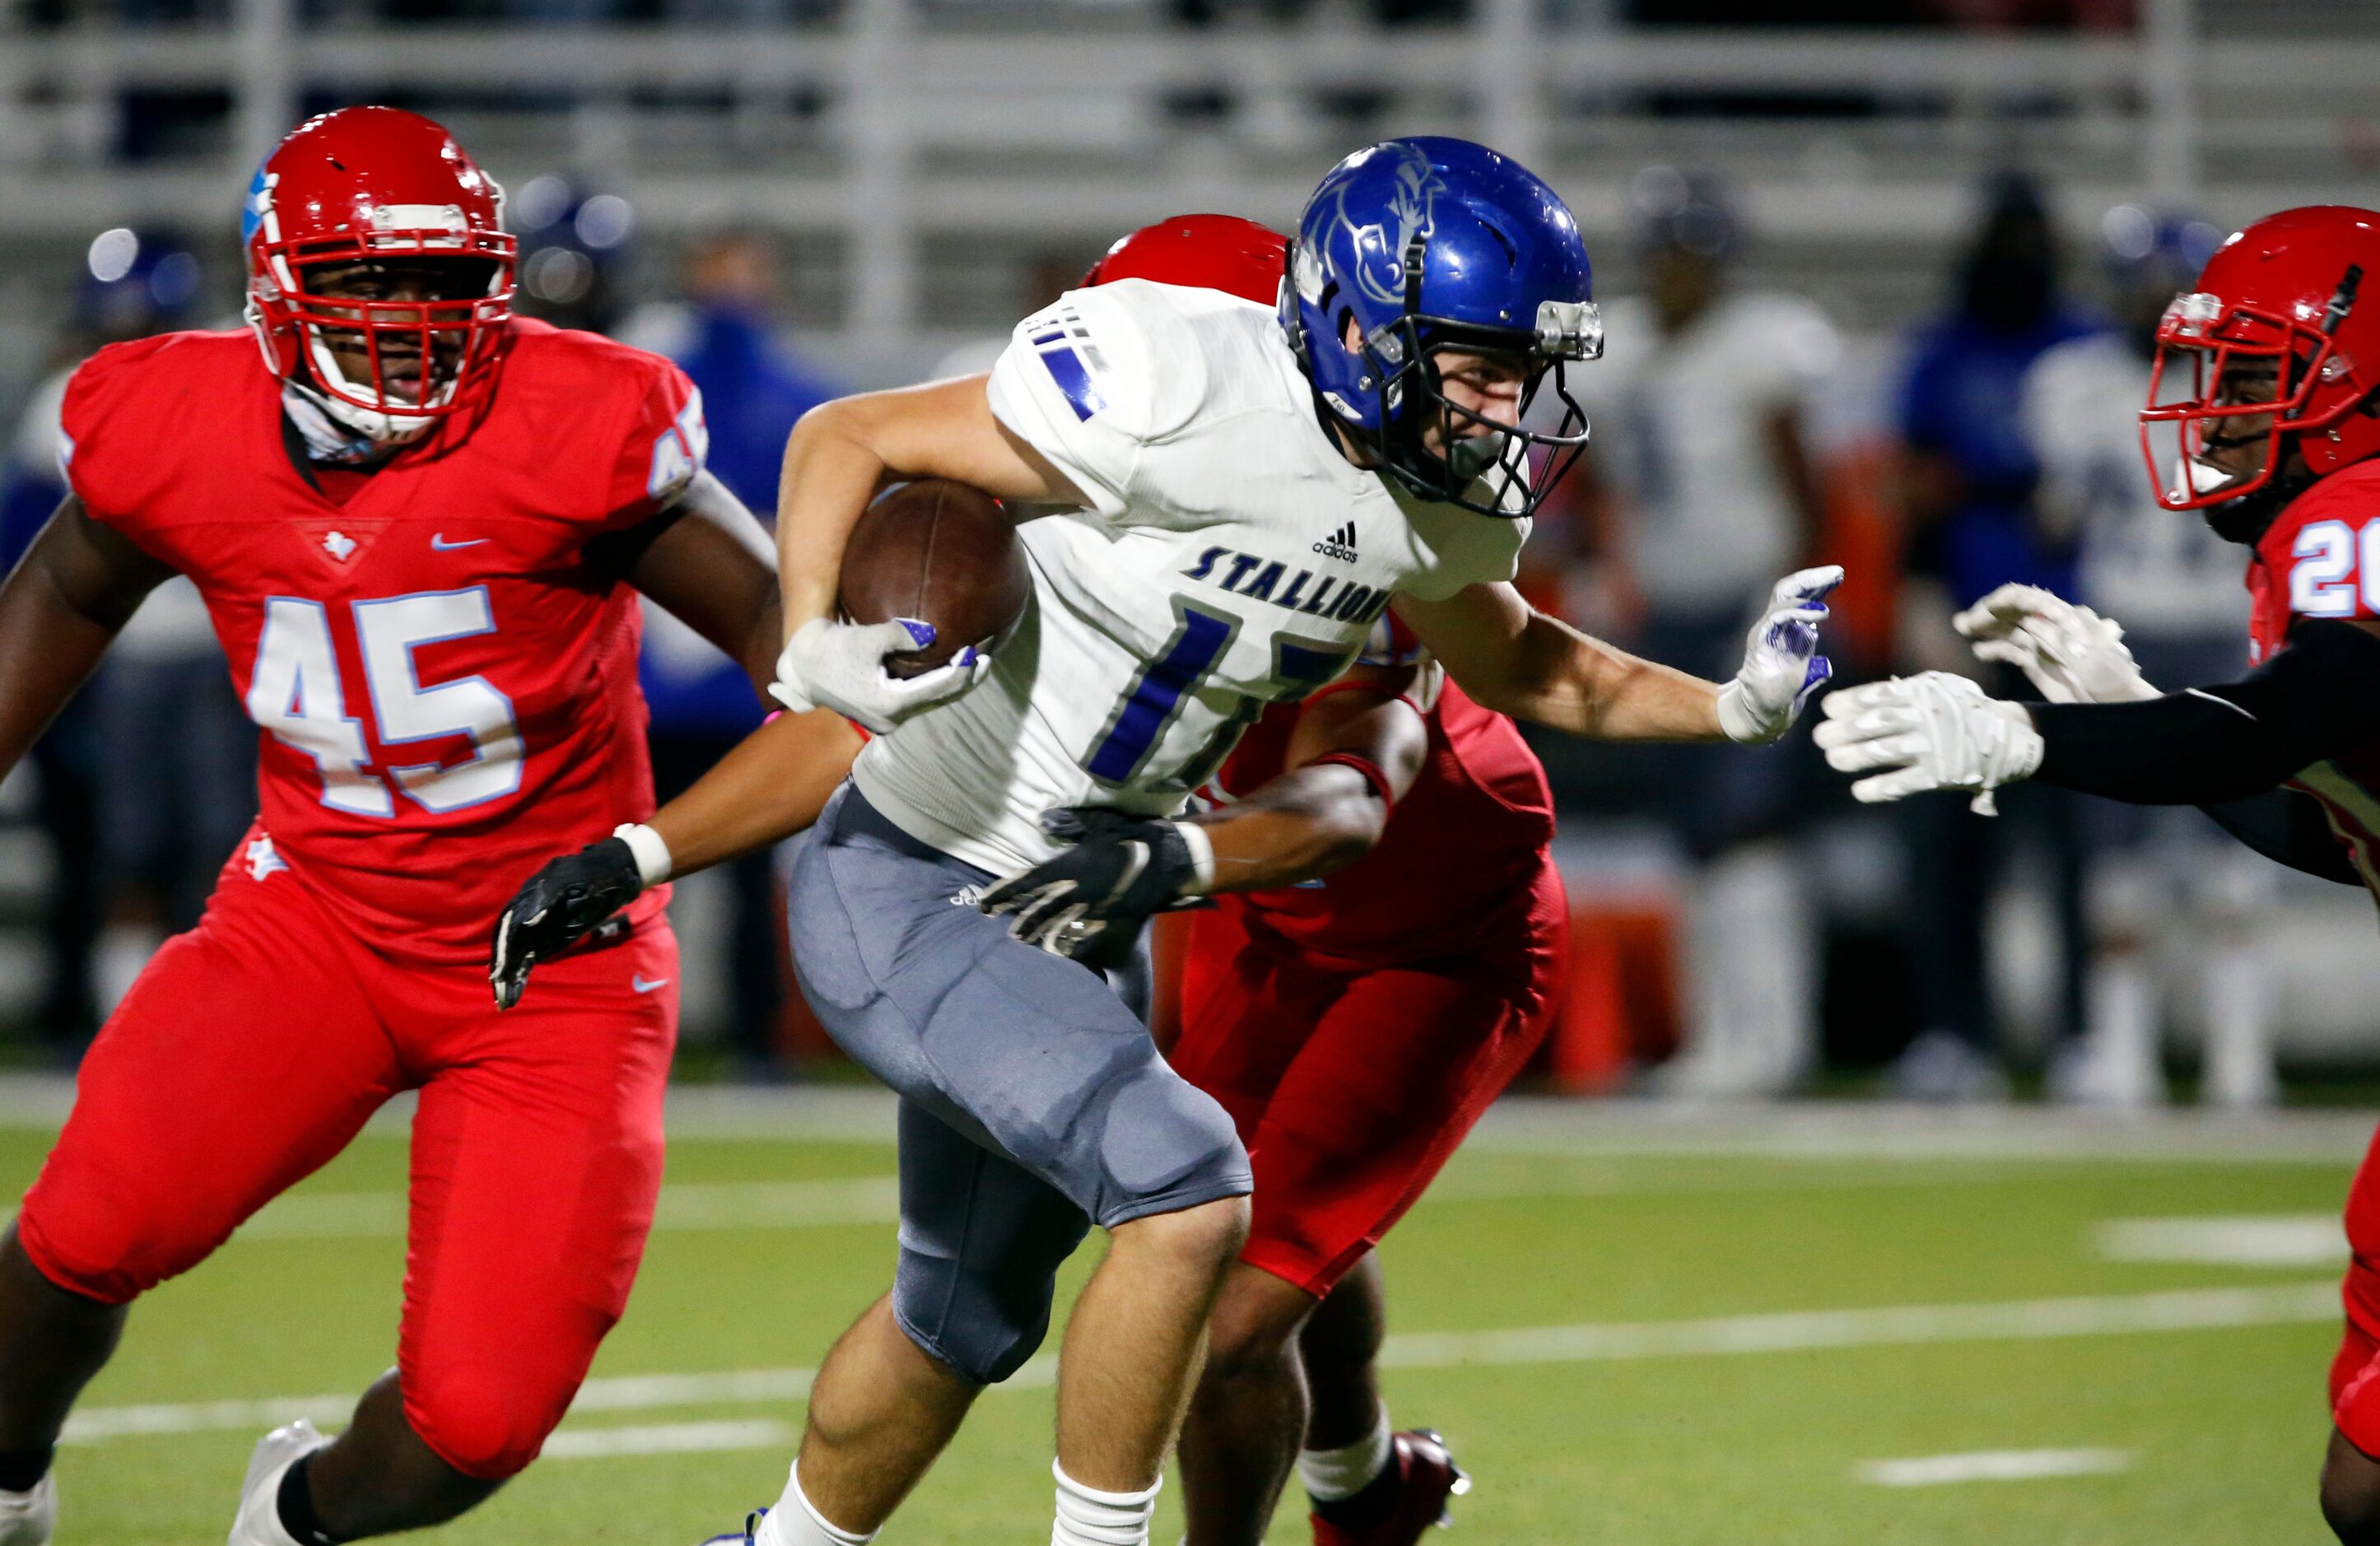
x=258 y=1521
x=1426 y=1478
x=27 y=1518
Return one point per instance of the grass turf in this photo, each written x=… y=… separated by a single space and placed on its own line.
x=2224 y=1425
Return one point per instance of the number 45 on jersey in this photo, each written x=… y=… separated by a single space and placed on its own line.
x=295 y=692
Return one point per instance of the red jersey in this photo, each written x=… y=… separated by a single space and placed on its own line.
x=1457 y=865
x=2321 y=559
x=444 y=682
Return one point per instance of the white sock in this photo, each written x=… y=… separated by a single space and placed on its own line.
x=1087 y=1516
x=1333 y=1474
x=795 y=1521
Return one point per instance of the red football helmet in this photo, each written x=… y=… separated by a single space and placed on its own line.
x=2282 y=290
x=1214 y=251
x=367 y=184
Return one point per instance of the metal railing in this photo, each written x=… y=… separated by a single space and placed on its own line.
x=889 y=128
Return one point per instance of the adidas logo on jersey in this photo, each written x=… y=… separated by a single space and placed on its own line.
x=1340 y=544
x=1262 y=579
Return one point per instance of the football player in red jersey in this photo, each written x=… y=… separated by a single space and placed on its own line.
x=420 y=524
x=2278 y=427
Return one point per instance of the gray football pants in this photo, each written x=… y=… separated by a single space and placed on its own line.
x=1032 y=1101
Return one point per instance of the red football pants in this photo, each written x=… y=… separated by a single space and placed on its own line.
x=2355 y=1371
x=1352 y=1086
x=255 y=1046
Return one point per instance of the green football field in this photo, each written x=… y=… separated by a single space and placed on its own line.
x=1633 y=1329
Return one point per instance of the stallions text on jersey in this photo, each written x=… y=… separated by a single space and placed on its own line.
x=445 y=675
x=1227 y=557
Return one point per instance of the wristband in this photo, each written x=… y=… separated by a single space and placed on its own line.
x=651 y=854
x=1202 y=858
x=1738 y=723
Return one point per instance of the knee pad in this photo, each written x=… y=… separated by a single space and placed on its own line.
x=485 y=1422
x=1164 y=1144
x=982 y=1324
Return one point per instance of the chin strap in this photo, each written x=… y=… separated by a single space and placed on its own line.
x=327 y=440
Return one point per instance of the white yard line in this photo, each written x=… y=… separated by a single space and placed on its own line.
x=1794 y=1330
x=2021 y=1319
x=2226 y=1240
x=714 y=1205
x=1888 y=1130
x=1992 y=1464
x=1844 y=1129
x=671 y=1438
x=687 y=1206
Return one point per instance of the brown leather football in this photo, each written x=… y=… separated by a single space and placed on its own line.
x=943 y=553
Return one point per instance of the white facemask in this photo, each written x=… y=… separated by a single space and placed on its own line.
x=380 y=427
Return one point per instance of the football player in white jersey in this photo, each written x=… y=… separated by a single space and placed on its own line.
x=1239 y=495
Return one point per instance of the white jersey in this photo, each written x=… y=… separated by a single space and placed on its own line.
x=1229 y=558
x=1682 y=432
x=2158 y=573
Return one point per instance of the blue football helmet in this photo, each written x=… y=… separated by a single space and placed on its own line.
x=1436 y=244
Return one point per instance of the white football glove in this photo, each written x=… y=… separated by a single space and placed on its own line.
x=2070 y=654
x=828 y=665
x=1781 y=664
x=1931 y=731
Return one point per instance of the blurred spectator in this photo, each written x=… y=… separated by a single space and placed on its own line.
x=703 y=702
x=574 y=243
x=1698 y=456
x=1968 y=476
x=2158 y=873
x=148 y=777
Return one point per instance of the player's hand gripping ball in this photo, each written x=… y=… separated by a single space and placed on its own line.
x=1930 y=731
x=562 y=904
x=1781 y=664
x=2070 y=654
x=933 y=581
x=1088 y=902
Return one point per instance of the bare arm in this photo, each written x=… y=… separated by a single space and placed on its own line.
x=843 y=452
x=707 y=561
x=1318 y=816
x=75 y=588
x=771 y=785
x=1516 y=659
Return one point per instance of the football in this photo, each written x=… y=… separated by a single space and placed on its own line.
x=943 y=553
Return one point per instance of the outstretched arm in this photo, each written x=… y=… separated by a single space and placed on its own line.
x=772 y=784
x=75 y=588
x=1516 y=659
x=2288 y=828
x=1354 y=753
x=1513 y=659
x=2317 y=699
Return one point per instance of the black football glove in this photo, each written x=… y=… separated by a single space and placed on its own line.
x=1088 y=902
x=562 y=903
